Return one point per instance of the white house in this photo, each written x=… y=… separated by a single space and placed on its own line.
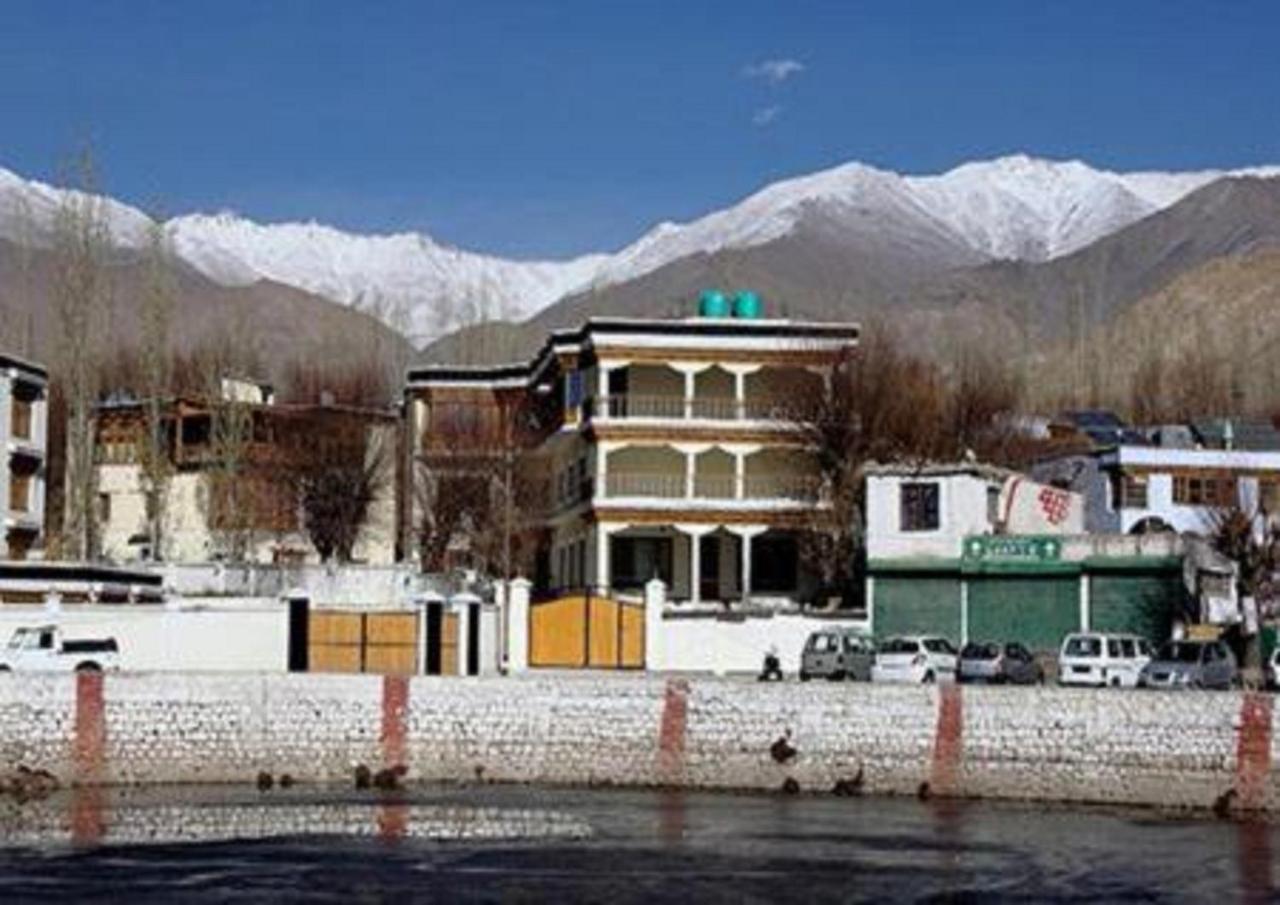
x=1132 y=488
x=24 y=415
x=929 y=510
x=977 y=553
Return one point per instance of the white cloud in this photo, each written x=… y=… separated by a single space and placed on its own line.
x=765 y=116
x=773 y=71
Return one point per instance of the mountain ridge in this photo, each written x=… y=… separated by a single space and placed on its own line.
x=1011 y=208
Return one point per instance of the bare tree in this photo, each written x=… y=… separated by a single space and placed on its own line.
x=341 y=476
x=884 y=404
x=478 y=488
x=81 y=244
x=229 y=504
x=1252 y=541
x=155 y=455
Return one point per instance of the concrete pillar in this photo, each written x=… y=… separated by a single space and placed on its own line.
x=460 y=607
x=745 y=534
x=695 y=533
x=690 y=472
x=1085 y=603
x=739 y=475
x=602 y=558
x=690 y=384
x=964 y=611
x=490 y=639
x=604 y=400
x=518 y=626
x=655 y=600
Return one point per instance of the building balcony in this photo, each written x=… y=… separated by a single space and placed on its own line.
x=635 y=406
x=715 y=489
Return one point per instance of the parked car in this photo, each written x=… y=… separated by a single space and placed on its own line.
x=998 y=663
x=837 y=653
x=1191 y=664
x=44 y=649
x=1273 y=670
x=1100 y=659
x=917 y=658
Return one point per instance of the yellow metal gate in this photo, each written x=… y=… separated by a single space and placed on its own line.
x=348 y=641
x=582 y=631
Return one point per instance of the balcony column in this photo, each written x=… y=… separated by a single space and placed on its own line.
x=695 y=534
x=745 y=533
x=740 y=451
x=604 y=392
x=601 y=489
x=691 y=451
x=740 y=373
x=690 y=372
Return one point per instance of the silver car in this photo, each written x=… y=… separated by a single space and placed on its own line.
x=837 y=653
x=1190 y=664
x=997 y=664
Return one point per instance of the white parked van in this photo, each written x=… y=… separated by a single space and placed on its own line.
x=1102 y=660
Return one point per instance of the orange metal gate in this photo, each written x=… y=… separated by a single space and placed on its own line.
x=583 y=631
x=349 y=641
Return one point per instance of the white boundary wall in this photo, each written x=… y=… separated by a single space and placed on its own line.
x=218 y=634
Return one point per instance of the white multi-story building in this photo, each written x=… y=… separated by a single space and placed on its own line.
x=671 y=448
x=1132 y=488
x=24 y=415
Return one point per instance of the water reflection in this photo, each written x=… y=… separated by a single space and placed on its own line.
x=493 y=842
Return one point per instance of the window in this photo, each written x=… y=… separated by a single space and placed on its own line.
x=919 y=509
x=1189 y=490
x=1128 y=647
x=1113 y=649
x=1133 y=492
x=1269 y=494
x=993 y=505
x=104 y=508
x=824 y=644
x=774 y=559
x=20 y=492
x=1083 y=646
x=20 y=418
x=573 y=389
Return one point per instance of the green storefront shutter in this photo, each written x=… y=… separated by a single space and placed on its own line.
x=1138 y=604
x=917 y=606
x=1037 y=612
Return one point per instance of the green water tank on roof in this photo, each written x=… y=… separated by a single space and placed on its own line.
x=713 y=303
x=747 y=305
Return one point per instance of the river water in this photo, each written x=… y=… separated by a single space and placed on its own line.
x=503 y=843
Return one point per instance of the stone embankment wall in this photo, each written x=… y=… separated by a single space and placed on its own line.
x=1158 y=748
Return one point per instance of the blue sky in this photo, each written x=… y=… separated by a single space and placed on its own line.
x=537 y=129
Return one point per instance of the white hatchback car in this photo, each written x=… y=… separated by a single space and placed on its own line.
x=917 y=658
x=1102 y=660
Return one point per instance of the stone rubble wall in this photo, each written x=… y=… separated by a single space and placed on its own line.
x=1154 y=748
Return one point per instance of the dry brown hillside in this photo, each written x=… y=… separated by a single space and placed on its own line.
x=1209 y=342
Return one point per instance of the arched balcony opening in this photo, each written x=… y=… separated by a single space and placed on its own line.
x=784 y=393
x=646 y=471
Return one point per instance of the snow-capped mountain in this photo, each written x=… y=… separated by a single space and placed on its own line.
x=416 y=284
x=1015 y=207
